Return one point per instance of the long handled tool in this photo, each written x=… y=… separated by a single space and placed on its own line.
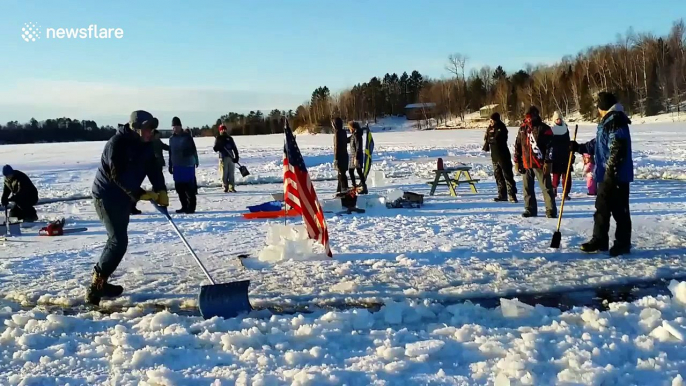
x=557 y=236
x=225 y=300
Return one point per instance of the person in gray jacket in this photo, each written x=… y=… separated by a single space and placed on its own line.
x=183 y=159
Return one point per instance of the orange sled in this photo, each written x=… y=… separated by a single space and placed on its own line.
x=272 y=214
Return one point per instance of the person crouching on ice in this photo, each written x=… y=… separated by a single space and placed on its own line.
x=19 y=189
x=127 y=159
x=614 y=171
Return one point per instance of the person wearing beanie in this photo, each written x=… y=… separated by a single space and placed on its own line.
x=534 y=157
x=340 y=154
x=19 y=190
x=614 y=171
x=495 y=141
x=228 y=158
x=560 y=145
x=127 y=159
x=183 y=160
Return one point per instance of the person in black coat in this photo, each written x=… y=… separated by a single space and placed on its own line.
x=19 y=189
x=340 y=153
x=495 y=141
x=356 y=141
x=560 y=145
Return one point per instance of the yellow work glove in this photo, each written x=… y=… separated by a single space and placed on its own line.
x=149 y=196
x=162 y=198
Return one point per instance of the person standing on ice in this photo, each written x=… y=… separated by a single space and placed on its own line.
x=19 y=189
x=127 y=159
x=340 y=153
x=158 y=147
x=495 y=141
x=614 y=172
x=228 y=158
x=561 y=154
x=183 y=160
x=589 y=167
x=356 y=161
x=534 y=157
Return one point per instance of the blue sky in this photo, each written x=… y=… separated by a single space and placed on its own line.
x=200 y=59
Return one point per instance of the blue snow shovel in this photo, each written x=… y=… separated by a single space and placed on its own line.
x=226 y=300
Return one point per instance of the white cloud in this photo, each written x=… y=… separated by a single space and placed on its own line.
x=88 y=100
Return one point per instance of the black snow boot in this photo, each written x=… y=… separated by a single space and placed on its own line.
x=500 y=199
x=182 y=210
x=513 y=199
x=226 y=189
x=100 y=288
x=527 y=213
x=620 y=249
x=595 y=245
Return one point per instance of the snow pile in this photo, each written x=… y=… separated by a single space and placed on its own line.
x=410 y=342
x=289 y=242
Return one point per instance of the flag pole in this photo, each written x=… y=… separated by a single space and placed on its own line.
x=285 y=202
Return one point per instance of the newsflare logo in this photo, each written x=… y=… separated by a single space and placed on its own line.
x=31 y=32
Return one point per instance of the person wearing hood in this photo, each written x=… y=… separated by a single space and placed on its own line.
x=614 y=172
x=534 y=158
x=19 y=190
x=228 y=158
x=495 y=141
x=128 y=157
x=561 y=141
x=356 y=142
x=340 y=153
x=183 y=160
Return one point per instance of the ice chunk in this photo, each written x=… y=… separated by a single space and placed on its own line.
x=675 y=331
x=514 y=308
x=426 y=347
x=678 y=381
x=502 y=380
x=678 y=290
x=377 y=179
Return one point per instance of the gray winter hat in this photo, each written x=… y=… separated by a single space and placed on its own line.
x=143 y=119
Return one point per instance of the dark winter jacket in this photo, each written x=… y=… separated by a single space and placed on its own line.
x=226 y=147
x=495 y=141
x=125 y=162
x=158 y=146
x=561 y=148
x=612 y=148
x=19 y=185
x=533 y=147
x=340 y=147
x=356 y=150
x=182 y=151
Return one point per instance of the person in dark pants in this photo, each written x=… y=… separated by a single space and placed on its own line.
x=614 y=171
x=495 y=141
x=158 y=147
x=356 y=161
x=183 y=159
x=19 y=189
x=340 y=154
x=127 y=159
x=561 y=154
x=534 y=157
x=228 y=158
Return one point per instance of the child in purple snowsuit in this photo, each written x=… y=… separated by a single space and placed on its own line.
x=589 y=166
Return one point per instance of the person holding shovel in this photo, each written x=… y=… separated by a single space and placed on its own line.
x=614 y=171
x=127 y=159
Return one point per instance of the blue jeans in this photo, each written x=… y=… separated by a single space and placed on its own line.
x=114 y=216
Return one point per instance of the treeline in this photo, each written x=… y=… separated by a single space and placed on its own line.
x=54 y=130
x=646 y=72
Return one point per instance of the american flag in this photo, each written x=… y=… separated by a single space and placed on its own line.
x=299 y=192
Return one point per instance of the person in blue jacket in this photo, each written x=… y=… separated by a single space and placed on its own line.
x=614 y=171
x=127 y=159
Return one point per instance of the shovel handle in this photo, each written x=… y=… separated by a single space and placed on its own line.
x=163 y=210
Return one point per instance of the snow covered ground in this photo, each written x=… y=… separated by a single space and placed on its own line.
x=415 y=261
